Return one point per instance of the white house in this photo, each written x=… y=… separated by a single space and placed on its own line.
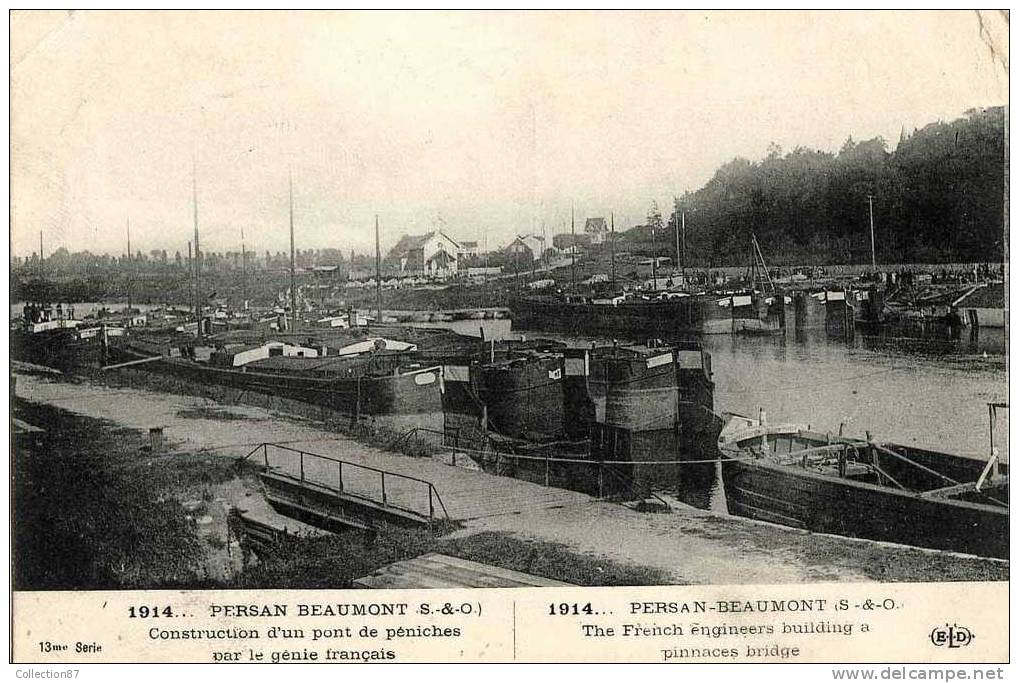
x=434 y=253
x=597 y=229
x=468 y=249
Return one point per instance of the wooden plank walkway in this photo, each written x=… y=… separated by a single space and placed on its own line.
x=434 y=570
x=465 y=494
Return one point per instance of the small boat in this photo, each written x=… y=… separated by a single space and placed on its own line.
x=790 y=475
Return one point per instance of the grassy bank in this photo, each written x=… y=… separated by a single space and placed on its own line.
x=94 y=509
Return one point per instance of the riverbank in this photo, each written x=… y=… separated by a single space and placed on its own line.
x=96 y=509
x=561 y=535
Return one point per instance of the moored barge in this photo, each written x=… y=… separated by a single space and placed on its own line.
x=790 y=475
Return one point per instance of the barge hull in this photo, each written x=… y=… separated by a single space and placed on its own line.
x=767 y=492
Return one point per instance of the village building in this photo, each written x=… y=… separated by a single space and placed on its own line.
x=564 y=241
x=434 y=254
x=468 y=250
x=526 y=248
x=597 y=229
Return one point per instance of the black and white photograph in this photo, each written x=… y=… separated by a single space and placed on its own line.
x=360 y=301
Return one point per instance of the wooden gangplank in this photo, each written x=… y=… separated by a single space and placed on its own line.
x=434 y=570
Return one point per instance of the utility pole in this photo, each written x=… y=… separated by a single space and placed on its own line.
x=873 y=253
x=612 y=245
x=40 y=249
x=378 y=272
x=293 y=266
x=198 y=257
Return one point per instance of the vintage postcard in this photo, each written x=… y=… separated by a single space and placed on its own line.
x=510 y=336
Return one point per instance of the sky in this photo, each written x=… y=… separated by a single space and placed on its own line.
x=483 y=124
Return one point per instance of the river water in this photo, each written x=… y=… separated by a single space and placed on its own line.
x=909 y=385
x=905 y=385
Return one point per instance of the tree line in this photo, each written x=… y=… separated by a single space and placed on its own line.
x=938 y=197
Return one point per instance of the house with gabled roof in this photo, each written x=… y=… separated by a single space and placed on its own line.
x=434 y=253
x=526 y=247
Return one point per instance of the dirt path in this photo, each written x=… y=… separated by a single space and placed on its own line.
x=693 y=546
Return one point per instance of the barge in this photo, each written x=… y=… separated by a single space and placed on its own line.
x=790 y=475
x=388 y=387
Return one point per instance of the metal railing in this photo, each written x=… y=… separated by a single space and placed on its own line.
x=355 y=480
x=414 y=431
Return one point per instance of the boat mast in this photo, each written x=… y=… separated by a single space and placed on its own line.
x=130 y=264
x=755 y=256
x=678 y=259
x=293 y=272
x=612 y=245
x=753 y=265
x=683 y=260
x=198 y=258
x=244 y=272
x=654 y=251
x=191 y=279
x=873 y=253
x=378 y=272
x=573 y=251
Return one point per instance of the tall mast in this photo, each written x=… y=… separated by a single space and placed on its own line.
x=191 y=279
x=757 y=255
x=753 y=264
x=612 y=245
x=198 y=257
x=676 y=215
x=40 y=250
x=130 y=264
x=244 y=272
x=293 y=272
x=378 y=272
x=544 y=247
x=873 y=253
x=654 y=255
x=683 y=260
x=573 y=252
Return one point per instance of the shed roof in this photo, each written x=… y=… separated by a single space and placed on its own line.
x=988 y=296
x=411 y=242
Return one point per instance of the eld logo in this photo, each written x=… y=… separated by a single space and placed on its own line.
x=951 y=636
